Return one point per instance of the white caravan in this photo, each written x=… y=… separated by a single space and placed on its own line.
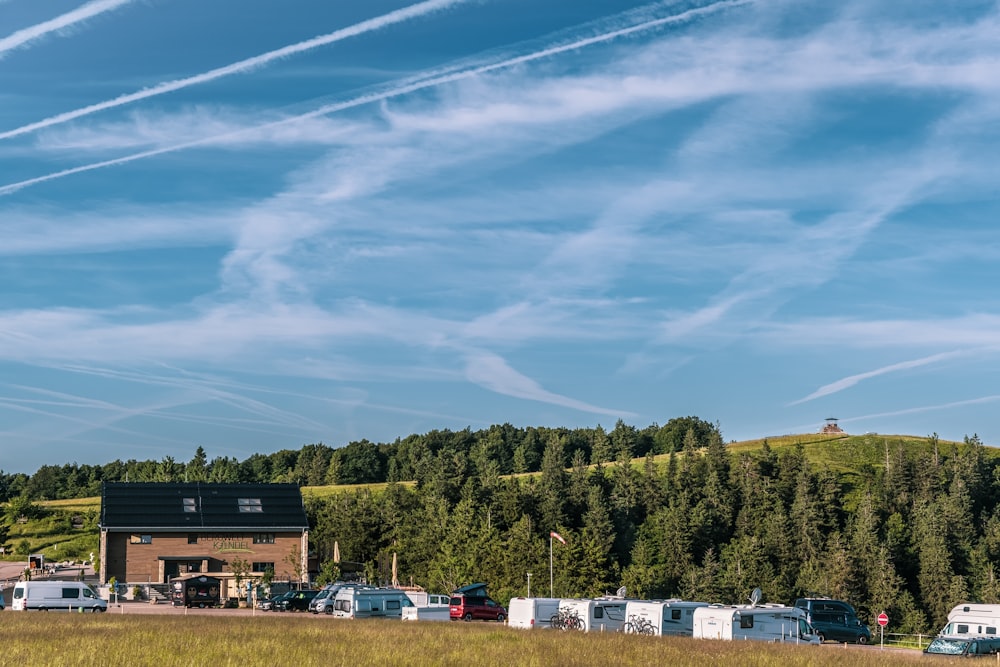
x=598 y=615
x=769 y=622
x=428 y=607
x=975 y=620
x=424 y=599
x=661 y=617
x=56 y=595
x=370 y=603
x=531 y=613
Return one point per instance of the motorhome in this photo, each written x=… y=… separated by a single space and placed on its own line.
x=370 y=602
x=597 y=615
x=768 y=622
x=660 y=617
x=971 y=619
x=56 y=596
x=532 y=613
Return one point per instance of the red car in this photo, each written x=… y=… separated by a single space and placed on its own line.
x=475 y=607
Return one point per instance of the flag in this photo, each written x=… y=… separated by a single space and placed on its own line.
x=557 y=536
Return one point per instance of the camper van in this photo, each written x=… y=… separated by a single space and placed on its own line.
x=660 y=617
x=370 y=603
x=56 y=596
x=972 y=620
x=598 y=615
x=427 y=607
x=769 y=622
x=532 y=613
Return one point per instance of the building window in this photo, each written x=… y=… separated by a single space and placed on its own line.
x=263 y=538
x=190 y=504
x=141 y=539
x=249 y=504
x=192 y=538
x=262 y=567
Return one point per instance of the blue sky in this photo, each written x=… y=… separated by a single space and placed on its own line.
x=252 y=225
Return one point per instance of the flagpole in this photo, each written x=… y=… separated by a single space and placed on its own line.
x=551 y=587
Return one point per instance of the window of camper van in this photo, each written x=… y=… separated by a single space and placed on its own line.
x=88 y=592
x=746 y=621
x=675 y=614
x=391 y=604
x=70 y=593
x=598 y=612
x=947 y=646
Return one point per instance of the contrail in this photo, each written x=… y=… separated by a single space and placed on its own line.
x=369 y=25
x=388 y=94
x=82 y=13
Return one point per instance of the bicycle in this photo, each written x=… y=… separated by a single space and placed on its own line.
x=637 y=625
x=566 y=620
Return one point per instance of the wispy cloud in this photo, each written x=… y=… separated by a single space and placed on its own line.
x=378 y=23
x=492 y=372
x=412 y=85
x=23 y=38
x=851 y=380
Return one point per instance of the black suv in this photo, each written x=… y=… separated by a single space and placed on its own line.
x=835 y=620
x=297 y=601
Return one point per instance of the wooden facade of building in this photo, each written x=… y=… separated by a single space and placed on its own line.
x=154 y=532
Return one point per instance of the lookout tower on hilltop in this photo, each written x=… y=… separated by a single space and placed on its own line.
x=831 y=426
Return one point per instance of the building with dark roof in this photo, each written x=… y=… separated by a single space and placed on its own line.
x=153 y=532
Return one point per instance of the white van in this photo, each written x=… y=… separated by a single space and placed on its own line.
x=370 y=602
x=769 y=622
x=661 y=617
x=56 y=596
x=973 y=620
x=531 y=613
x=427 y=607
x=599 y=615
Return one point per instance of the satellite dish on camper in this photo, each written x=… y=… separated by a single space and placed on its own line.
x=620 y=592
x=755 y=596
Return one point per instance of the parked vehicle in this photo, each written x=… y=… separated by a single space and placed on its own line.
x=323 y=602
x=531 y=613
x=422 y=598
x=475 y=608
x=370 y=603
x=295 y=601
x=660 y=617
x=268 y=604
x=56 y=596
x=769 y=622
x=597 y=615
x=196 y=591
x=434 y=613
x=834 y=619
x=970 y=619
x=963 y=646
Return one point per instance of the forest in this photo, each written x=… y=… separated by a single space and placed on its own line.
x=909 y=526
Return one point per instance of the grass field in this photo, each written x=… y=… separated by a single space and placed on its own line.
x=109 y=639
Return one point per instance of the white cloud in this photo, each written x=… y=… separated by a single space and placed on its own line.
x=59 y=25
x=851 y=380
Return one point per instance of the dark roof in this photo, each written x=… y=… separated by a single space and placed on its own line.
x=199 y=505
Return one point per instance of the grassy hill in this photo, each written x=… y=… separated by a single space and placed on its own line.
x=68 y=531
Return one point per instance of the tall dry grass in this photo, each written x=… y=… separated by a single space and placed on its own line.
x=300 y=641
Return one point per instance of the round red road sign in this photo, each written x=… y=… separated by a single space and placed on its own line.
x=883 y=619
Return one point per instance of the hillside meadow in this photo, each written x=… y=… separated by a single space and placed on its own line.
x=166 y=640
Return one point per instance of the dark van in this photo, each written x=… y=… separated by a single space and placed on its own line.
x=834 y=620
